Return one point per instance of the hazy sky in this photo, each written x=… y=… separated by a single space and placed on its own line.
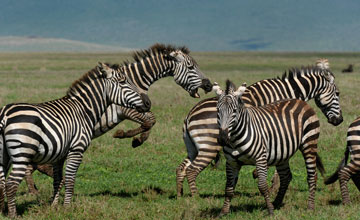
x=205 y=25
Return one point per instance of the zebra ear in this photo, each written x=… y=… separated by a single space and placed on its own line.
x=177 y=56
x=240 y=90
x=323 y=64
x=216 y=88
x=105 y=70
x=329 y=77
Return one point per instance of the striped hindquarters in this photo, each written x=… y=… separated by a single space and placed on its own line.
x=202 y=129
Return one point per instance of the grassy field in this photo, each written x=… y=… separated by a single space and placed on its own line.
x=116 y=181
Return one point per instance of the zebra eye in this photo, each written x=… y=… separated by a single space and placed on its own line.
x=191 y=67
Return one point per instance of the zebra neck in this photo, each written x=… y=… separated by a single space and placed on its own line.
x=148 y=70
x=90 y=102
x=304 y=86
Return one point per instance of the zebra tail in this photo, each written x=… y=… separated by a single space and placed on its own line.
x=2 y=119
x=216 y=161
x=320 y=165
x=335 y=176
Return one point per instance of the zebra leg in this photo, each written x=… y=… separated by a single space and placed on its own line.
x=356 y=179
x=202 y=160
x=58 y=181
x=72 y=165
x=309 y=154
x=180 y=176
x=275 y=182
x=46 y=169
x=284 y=173
x=2 y=188
x=15 y=177
x=351 y=170
x=147 y=121
x=261 y=168
x=232 y=173
x=137 y=141
x=29 y=180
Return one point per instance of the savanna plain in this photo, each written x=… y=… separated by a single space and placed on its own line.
x=116 y=181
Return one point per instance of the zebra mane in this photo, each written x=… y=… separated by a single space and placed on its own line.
x=90 y=75
x=297 y=72
x=230 y=87
x=156 y=49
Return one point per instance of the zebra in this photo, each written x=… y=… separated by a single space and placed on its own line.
x=146 y=119
x=346 y=170
x=149 y=66
x=61 y=129
x=200 y=129
x=264 y=136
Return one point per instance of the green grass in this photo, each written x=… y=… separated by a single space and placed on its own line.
x=116 y=181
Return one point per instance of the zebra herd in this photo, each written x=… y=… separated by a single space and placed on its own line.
x=263 y=124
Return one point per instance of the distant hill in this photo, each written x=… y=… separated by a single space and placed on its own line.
x=32 y=43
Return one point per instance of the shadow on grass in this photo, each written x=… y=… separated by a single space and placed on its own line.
x=214 y=212
x=217 y=196
x=23 y=207
x=335 y=202
x=245 y=194
x=124 y=194
x=121 y=194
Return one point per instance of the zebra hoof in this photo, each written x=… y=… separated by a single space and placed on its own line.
x=136 y=142
x=222 y=214
x=277 y=205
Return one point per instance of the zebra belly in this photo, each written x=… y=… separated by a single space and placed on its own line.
x=279 y=154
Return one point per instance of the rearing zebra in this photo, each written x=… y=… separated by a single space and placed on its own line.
x=62 y=129
x=150 y=65
x=201 y=131
x=263 y=136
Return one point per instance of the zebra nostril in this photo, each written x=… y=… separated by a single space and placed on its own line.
x=207 y=85
x=147 y=104
x=146 y=101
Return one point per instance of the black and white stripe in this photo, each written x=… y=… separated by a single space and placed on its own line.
x=346 y=170
x=200 y=128
x=264 y=136
x=62 y=129
x=149 y=66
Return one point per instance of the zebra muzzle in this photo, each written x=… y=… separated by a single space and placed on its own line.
x=335 y=120
x=206 y=85
x=146 y=103
x=223 y=139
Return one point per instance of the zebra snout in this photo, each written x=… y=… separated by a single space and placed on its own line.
x=335 y=120
x=223 y=139
x=206 y=85
x=146 y=103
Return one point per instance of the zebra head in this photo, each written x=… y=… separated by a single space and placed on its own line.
x=228 y=106
x=121 y=91
x=328 y=99
x=187 y=73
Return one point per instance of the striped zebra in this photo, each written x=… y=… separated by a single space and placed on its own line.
x=346 y=170
x=200 y=130
x=265 y=136
x=149 y=65
x=147 y=120
x=62 y=129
